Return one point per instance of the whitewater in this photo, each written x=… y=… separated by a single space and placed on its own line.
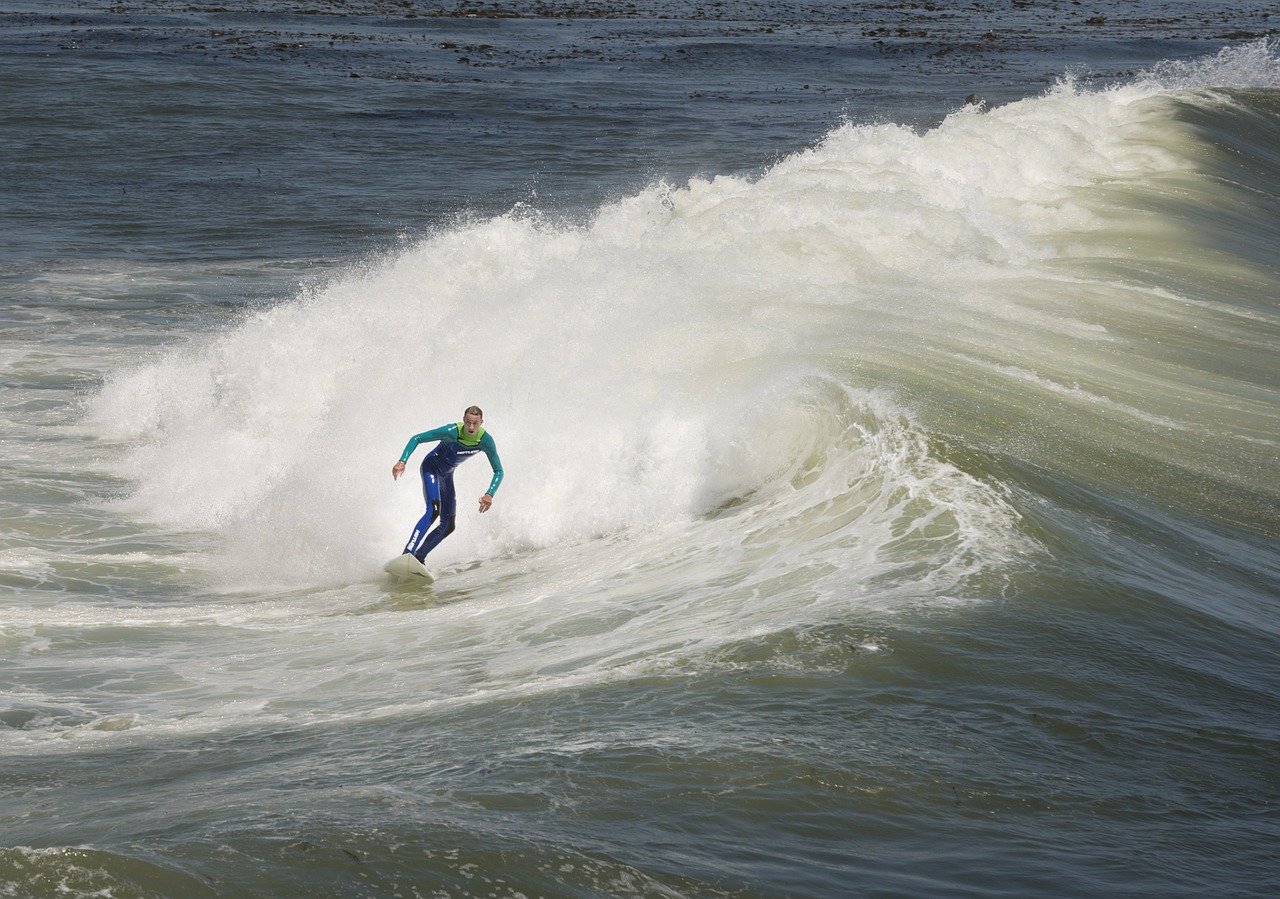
x=694 y=346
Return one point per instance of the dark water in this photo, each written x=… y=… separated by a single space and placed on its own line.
x=891 y=497
x=212 y=133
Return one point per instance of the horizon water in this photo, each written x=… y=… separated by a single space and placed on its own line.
x=891 y=491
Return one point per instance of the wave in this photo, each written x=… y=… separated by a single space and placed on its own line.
x=1048 y=285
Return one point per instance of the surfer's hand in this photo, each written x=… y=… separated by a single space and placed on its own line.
x=485 y=502
x=397 y=470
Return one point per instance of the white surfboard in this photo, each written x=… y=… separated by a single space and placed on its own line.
x=406 y=566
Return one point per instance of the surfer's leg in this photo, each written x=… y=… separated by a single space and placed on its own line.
x=431 y=495
x=447 y=511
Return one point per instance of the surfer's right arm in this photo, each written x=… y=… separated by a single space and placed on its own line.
x=425 y=437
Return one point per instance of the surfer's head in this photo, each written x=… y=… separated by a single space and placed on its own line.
x=472 y=419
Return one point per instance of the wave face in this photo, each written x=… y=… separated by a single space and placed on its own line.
x=828 y=357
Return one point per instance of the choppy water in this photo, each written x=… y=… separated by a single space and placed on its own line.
x=891 y=497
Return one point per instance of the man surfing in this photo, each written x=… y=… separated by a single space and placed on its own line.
x=457 y=443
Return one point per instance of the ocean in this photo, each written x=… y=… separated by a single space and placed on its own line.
x=888 y=397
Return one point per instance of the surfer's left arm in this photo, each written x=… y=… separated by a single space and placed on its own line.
x=491 y=451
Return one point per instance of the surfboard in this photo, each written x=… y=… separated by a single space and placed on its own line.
x=406 y=566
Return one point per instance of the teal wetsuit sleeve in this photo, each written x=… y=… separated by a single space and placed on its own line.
x=491 y=450
x=439 y=433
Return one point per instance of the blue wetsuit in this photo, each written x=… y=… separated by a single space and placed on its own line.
x=455 y=447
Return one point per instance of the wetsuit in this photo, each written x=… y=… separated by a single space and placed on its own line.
x=455 y=447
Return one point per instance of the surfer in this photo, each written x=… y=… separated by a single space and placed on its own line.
x=457 y=443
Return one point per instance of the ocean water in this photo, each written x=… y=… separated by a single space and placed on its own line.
x=892 y=489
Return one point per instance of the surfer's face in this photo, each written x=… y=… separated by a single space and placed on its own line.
x=471 y=423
